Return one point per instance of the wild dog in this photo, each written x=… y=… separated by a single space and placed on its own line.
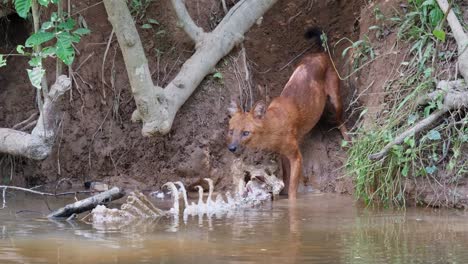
x=281 y=126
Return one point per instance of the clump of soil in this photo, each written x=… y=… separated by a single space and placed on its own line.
x=97 y=139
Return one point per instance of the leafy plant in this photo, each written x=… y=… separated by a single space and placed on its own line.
x=60 y=33
x=138 y=8
x=2 y=61
x=361 y=51
x=439 y=149
x=218 y=76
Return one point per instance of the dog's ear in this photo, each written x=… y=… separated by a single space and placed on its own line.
x=234 y=107
x=259 y=109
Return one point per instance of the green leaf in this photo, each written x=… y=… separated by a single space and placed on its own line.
x=64 y=48
x=39 y=38
x=47 y=25
x=20 y=49
x=410 y=141
x=428 y=3
x=2 y=61
x=344 y=143
x=345 y=51
x=435 y=16
x=433 y=135
x=395 y=19
x=363 y=112
x=218 y=75
x=146 y=26
x=22 y=7
x=439 y=34
x=431 y=169
x=43 y=2
x=405 y=170
x=412 y=118
x=357 y=43
x=54 y=17
x=35 y=62
x=48 y=51
x=67 y=25
x=82 y=31
x=65 y=38
x=428 y=72
x=153 y=21
x=65 y=52
x=75 y=38
x=35 y=76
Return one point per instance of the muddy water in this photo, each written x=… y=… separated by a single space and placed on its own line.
x=321 y=228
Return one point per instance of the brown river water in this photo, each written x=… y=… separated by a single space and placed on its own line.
x=320 y=228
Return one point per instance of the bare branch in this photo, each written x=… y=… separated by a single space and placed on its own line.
x=4 y=187
x=415 y=129
x=25 y=122
x=195 y=32
x=88 y=203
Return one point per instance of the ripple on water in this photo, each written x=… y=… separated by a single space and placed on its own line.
x=321 y=228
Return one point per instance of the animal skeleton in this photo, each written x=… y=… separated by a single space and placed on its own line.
x=257 y=191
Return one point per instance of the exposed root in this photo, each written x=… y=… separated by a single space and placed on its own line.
x=158 y=106
x=38 y=144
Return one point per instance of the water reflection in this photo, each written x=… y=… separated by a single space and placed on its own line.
x=318 y=229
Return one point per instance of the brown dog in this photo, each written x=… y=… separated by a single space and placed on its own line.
x=282 y=125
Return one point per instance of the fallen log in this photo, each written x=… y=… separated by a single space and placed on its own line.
x=88 y=203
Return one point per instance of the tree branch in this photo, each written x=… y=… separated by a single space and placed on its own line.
x=88 y=203
x=38 y=144
x=195 y=32
x=452 y=100
x=415 y=129
x=157 y=107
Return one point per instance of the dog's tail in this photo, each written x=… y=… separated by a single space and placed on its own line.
x=314 y=34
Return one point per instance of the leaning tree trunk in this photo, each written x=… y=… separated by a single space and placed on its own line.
x=39 y=143
x=460 y=37
x=157 y=106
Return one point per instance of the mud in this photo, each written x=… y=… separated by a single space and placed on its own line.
x=97 y=139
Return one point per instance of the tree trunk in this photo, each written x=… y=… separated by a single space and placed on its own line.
x=460 y=37
x=39 y=143
x=157 y=106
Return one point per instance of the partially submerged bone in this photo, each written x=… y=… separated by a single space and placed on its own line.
x=262 y=187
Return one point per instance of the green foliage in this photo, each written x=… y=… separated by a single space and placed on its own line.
x=2 y=61
x=424 y=155
x=361 y=51
x=59 y=33
x=22 y=7
x=35 y=76
x=218 y=75
x=39 y=38
x=138 y=8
